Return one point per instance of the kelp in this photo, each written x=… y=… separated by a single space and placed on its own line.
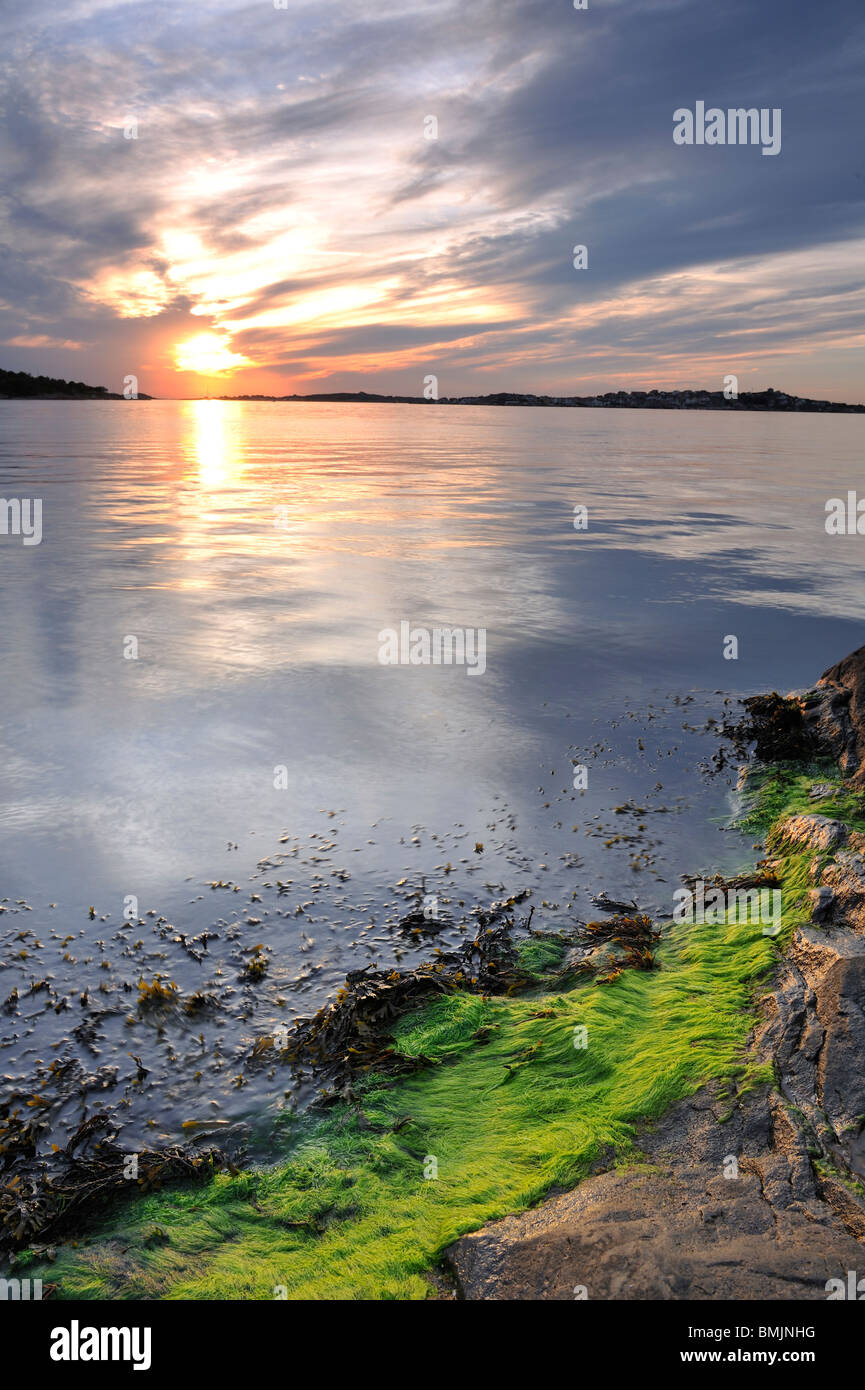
x=764 y=875
x=773 y=728
x=38 y=1206
x=621 y=942
x=159 y=994
x=776 y=724
x=354 y=1033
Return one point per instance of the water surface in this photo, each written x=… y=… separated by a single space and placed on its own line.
x=254 y=552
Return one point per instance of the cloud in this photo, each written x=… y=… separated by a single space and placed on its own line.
x=41 y=340
x=266 y=175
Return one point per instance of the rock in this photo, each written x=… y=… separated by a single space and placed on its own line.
x=683 y=1230
x=821 y=1048
x=779 y=728
x=838 y=715
x=821 y=790
x=822 y=902
x=814 y=832
x=845 y=877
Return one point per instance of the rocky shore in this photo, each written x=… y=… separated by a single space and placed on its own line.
x=627 y=1109
x=764 y=1198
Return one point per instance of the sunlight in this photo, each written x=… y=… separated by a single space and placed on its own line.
x=208 y=354
x=215 y=451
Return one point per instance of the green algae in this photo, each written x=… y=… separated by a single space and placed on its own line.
x=776 y=792
x=517 y=1095
x=499 y=1118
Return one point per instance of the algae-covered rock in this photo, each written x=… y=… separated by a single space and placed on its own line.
x=778 y=728
x=716 y=1211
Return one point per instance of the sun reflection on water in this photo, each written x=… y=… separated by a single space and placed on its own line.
x=215 y=447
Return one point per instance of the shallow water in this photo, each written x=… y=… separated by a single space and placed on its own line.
x=255 y=552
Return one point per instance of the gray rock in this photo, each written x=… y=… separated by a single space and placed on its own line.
x=680 y=1230
x=821 y=790
x=822 y=902
x=837 y=715
x=845 y=876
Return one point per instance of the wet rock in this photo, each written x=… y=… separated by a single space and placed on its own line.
x=822 y=1040
x=845 y=877
x=821 y=790
x=778 y=728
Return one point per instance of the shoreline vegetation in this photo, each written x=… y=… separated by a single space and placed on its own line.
x=23 y=386
x=485 y=1113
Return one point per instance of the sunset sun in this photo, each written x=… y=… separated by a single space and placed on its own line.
x=207 y=354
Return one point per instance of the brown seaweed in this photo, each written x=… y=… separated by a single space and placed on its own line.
x=92 y=1169
x=354 y=1033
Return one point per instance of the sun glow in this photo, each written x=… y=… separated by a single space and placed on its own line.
x=213 y=445
x=208 y=355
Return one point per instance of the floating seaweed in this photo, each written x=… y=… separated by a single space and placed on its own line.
x=157 y=994
x=607 y=904
x=256 y=967
x=200 y=1003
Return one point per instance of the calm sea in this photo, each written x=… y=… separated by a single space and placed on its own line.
x=192 y=695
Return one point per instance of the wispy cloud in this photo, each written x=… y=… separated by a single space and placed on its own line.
x=263 y=180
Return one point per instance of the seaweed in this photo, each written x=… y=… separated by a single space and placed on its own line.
x=89 y=1171
x=256 y=967
x=354 y=1033
x=630 y=939
x=776 y=725
x=156 y=995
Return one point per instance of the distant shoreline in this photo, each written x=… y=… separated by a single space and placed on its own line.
x=611 y=400
x=22 y=386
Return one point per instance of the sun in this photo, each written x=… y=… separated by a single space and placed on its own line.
x=207 y=354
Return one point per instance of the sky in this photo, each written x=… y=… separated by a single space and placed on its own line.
x=217 y=196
